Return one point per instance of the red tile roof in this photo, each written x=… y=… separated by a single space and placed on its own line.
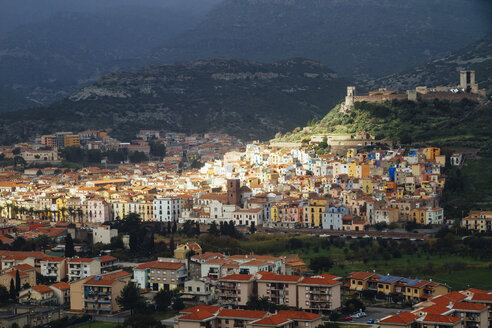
x=319 y=281
x=246 y=314
x=268 y=276
x=361 y=275
x=23 y=267
x=42 y=289
x=159 y=265
x=400 y=318
x=197 y=316
x=443 y=319
x=237 y=277
x=274 y=320
x=208 y=308
x=61 y=285
x=482 y=297
x=299 y=315
x=469 y=306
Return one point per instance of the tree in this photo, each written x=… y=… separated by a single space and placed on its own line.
x=168 y=229
x=321 y=264
x=12 y=290
x=130 y=298
x=157 y=149
x=175 y=227
x=178 y=304
x=213 y=229
x=353 y=305
x=16 y=151
x=197 y=228
x=172 y=246
x=163 y=299
x=252 y=228
x=17 y=281
x=4 y=295
x=137 y=157
x=69 y=248
x=134 y=244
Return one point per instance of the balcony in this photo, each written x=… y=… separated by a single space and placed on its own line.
x=106 y=301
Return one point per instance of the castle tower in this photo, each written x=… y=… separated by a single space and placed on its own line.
x=349 y=99
x=234 y=192
x=467 y=81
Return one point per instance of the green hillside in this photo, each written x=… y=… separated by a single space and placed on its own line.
x=439 y=123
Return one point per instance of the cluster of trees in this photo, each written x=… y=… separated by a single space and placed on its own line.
x=225 y=229
x=141 y=310
x=80 y=155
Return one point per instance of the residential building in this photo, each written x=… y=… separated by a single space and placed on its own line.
x=235 y=290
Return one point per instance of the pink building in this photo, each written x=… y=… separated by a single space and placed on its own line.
x=97 y=210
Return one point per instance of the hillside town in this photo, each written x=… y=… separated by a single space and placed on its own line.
x=257 y=187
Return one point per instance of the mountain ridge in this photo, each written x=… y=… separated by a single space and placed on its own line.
x=247 y=99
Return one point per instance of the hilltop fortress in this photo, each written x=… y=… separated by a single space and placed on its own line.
x=467 y=89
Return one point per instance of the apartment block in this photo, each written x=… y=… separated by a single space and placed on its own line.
x=235 y=290
x=54 y=268
x=79 y=268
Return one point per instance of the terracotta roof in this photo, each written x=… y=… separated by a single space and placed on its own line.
x=469 y=306
x=81 y=260
x=361 y=275
x=247 y=314
x=434 y=309
x=23 y=267
x=319 y=281
x=482 y=297
x=400 y=318
x=42 y=289
x=238 y=277
x=100 y=282
x=268 y=276
x=208 y=308
x=197 y=316
x=299 y=315
x=61 y=285
x=273 y=320
x=107 y=258
x=53 y=259
x=441 y=319
x=449 y=297
x=159 y=265
x=116 y=274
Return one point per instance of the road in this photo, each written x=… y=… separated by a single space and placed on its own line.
x=376 y=313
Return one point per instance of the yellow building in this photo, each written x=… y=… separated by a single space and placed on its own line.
x=72 y=140
x=352 y=169
x=181 y=251
x=367 y=186
x=274 y=213
x=313 y=216
x=431 y=153
x=61 y=209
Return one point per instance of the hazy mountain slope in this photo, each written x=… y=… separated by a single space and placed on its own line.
x=247 y=99
x=10 y=100
x=358 y=38
x=445 y=71
x=51 y=59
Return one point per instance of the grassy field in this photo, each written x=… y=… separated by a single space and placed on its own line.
x=442 y=268
x=98 y=325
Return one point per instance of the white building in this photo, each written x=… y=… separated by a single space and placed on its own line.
x=103 y=234
x=79 y=268
x=332 y=218
x=167 y=209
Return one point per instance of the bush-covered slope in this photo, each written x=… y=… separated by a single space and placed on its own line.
x=246 y=99
x=440 y=123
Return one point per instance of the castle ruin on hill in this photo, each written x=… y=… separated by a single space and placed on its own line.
x=467 y=89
